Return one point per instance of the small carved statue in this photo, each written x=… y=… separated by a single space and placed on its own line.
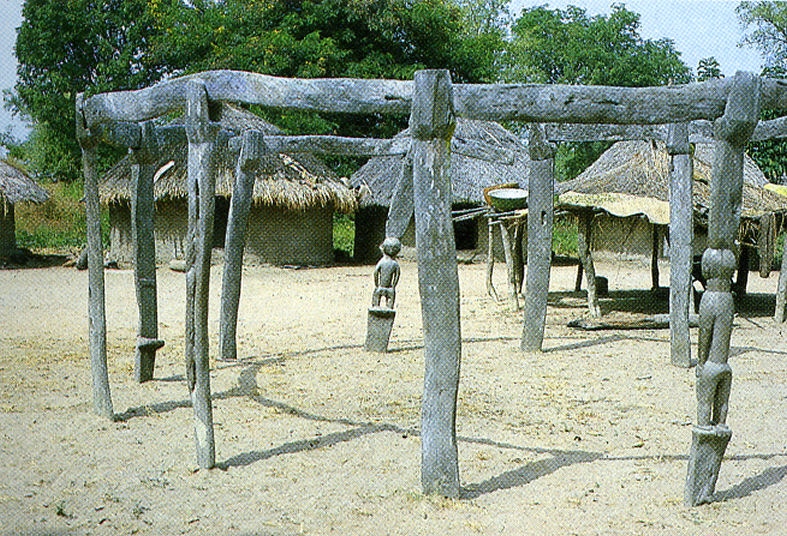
x=714 y=375
x=386 y=273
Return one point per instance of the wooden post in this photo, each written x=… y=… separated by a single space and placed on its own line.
x=235 y=241
x=102 y=398
x=490 y=257
x=201 y=176
x=510 y=264
x=143 y=237
x=654 y=258
x=780 y=313
x=711 y=434
x=541 y=189
x=681 y=233
x=585 y=228
x=432 y=125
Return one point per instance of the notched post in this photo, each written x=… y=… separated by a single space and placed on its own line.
x=143 y=236
x=202 y=137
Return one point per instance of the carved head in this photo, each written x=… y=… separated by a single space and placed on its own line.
x=718 y=263
x=391 y=246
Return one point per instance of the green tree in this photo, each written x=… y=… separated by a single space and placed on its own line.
x=69 y=47
x=766 y=25
x=81 y=45
x=708 y=69
x=570 y=47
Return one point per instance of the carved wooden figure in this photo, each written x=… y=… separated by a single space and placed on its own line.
x=711 y=434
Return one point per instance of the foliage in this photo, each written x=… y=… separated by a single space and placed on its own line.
x=57 y=225
x=569 y=47
x=768 y=21
x=769 y=32
x=564 y=236
x=708 y=69
x=84 y=46
x=344 y=234
x=69 y=47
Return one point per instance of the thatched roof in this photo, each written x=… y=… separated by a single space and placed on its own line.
x=16 y=186
x=632 y=178
x=377 y=179
x=292 y=182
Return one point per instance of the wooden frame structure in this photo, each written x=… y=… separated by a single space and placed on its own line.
x=432 y=102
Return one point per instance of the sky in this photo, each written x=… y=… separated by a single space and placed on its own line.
x=699 y=28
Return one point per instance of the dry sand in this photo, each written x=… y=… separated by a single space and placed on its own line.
x=315 y=436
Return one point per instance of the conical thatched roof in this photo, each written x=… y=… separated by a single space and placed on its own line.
x=16 y=186
x=292 y=182
x=632 y=178
x=377 y=179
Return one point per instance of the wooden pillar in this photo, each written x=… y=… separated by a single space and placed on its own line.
x=510 y=264
x=654 y=258
x=541 y=189
x=585 y=229
x=102 y=398
x=143 y=238
x=681 y=235
x=710 y=435
x=432 y=125
x=780 y=313
x=235 y=241
x=202 y=185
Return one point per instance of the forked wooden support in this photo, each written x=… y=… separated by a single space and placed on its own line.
x=202 y=136
x=235 y=242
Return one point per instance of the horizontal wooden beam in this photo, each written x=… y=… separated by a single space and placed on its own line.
x=343 y=95
x=700 y=131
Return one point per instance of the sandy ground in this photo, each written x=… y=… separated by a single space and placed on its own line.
x=315 y=436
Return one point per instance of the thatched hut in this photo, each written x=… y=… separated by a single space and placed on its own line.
x=376 y=181
x=291 y=219
x=15 y=187
x=628 y=190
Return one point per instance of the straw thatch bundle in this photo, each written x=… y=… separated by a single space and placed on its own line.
x=632 y=178
x=377 y=179
x=282 y=181
x=16 y=186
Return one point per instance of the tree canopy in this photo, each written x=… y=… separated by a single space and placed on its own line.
x=84 y=46
x=766 y=25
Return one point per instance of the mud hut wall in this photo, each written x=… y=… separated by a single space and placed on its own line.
x=7 y=228
x=279 y=236
x=171 y=226
x=624 y=237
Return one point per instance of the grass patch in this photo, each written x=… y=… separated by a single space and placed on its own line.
x=58 y=225
x=564 y=236
x=344 y=233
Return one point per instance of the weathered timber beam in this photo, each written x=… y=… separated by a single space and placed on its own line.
x=699 y=131
x=344 y=95
x=337 y=145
